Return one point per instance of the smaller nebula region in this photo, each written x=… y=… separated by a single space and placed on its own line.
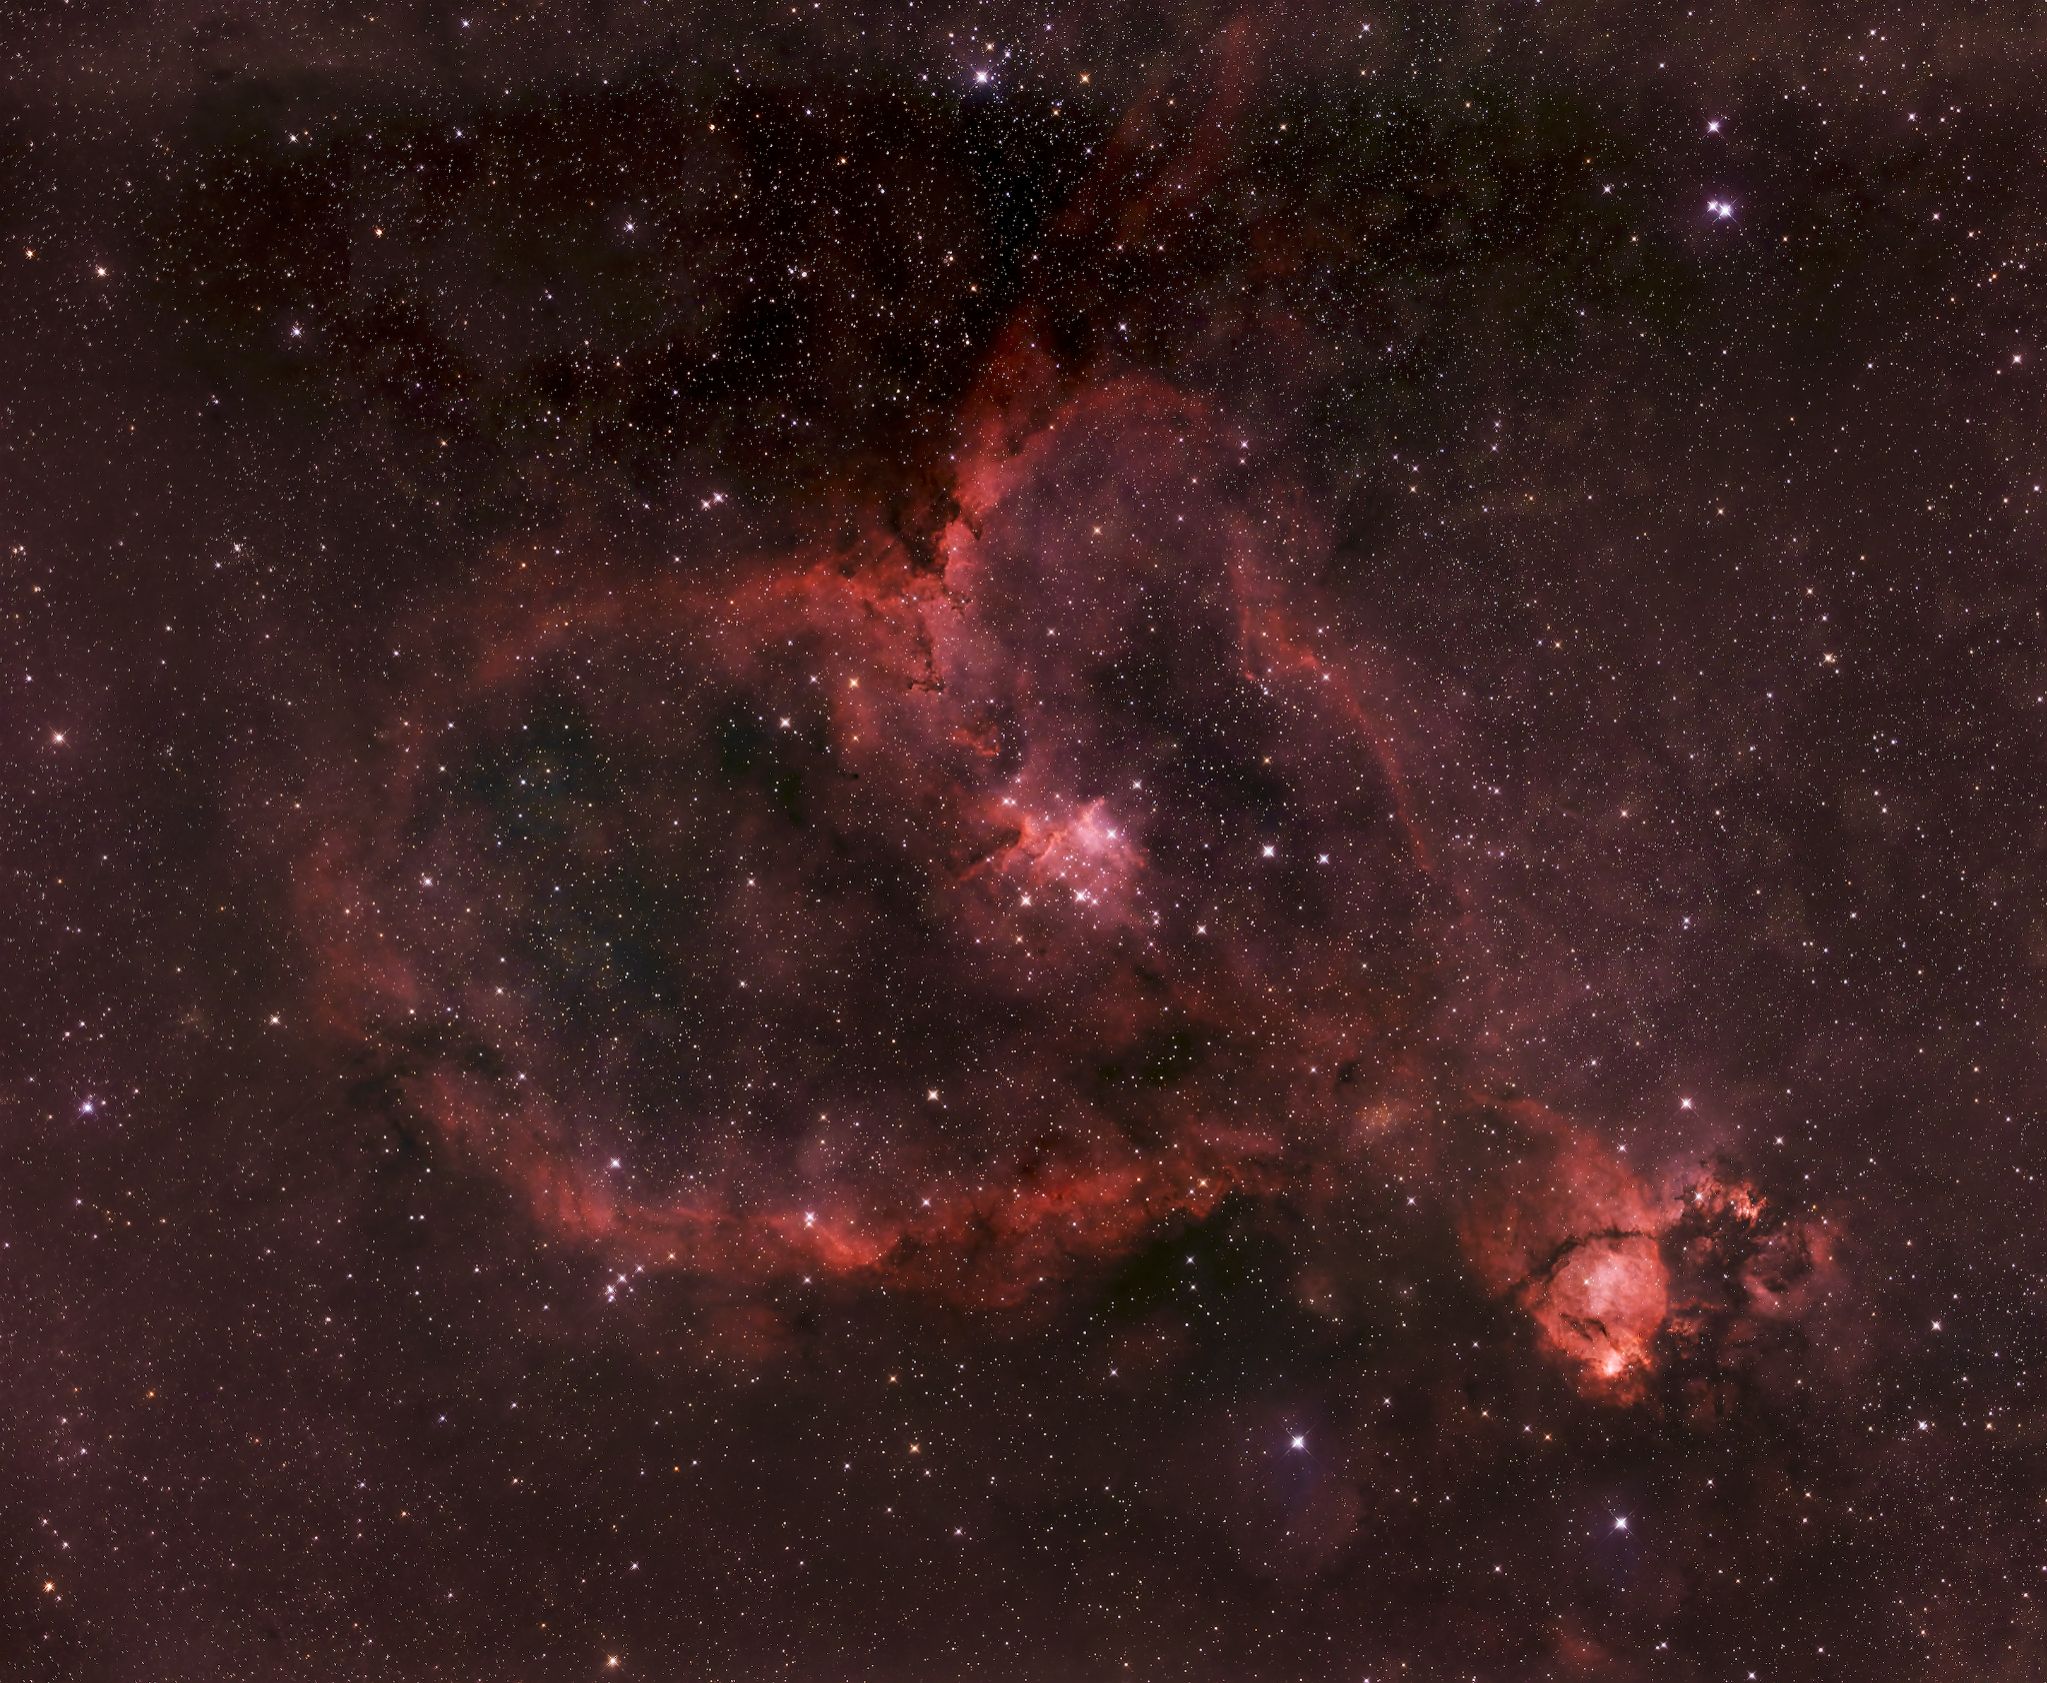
x=905 y=843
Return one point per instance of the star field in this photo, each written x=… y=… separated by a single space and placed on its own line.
x=890 y=844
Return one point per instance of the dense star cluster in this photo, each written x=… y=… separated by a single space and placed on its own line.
x=896 y=845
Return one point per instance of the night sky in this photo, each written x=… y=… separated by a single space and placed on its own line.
x=931 y=844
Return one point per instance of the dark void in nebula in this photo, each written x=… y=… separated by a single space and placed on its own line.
x=906 y=845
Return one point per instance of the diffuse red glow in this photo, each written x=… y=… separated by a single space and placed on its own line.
x=941 y=917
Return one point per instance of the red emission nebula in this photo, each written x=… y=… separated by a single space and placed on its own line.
x=924 y=843
x=949 y=903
